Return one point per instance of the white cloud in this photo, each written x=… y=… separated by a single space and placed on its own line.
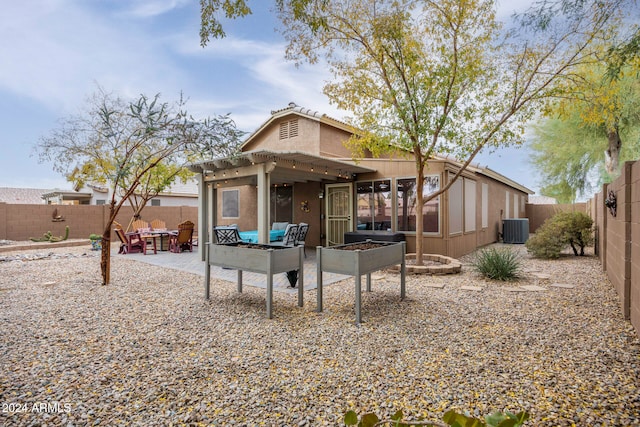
x=148 y=8
x=54 y=52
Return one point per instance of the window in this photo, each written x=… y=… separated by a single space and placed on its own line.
x=516 y=214
x=281 y=202
x=455 y=207
x=407 y=204
x=289 y=129
x=230 y=204
x=469 y=205
x=485 y=205
x=155 y=202
x=101 y=202
x=374 y=205
x=506 y=206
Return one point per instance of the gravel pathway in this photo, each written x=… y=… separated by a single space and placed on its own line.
x=148 y=350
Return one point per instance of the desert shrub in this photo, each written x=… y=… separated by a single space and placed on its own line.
x=498 y=264
x=563 y=229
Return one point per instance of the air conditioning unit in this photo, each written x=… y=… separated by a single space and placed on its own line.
x=515 y=230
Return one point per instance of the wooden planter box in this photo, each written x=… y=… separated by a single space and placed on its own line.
x=340 y=259
x=263 y=259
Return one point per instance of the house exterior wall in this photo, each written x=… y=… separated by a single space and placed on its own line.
x=306 y=141
x=321 y=136
x=333 y=140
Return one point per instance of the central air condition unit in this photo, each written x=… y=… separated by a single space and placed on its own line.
x=515 y=230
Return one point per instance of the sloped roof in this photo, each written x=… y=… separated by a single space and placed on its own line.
x=22 y=196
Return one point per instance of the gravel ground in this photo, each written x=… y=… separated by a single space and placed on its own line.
x=148 y=350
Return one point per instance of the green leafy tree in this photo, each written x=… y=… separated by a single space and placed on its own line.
x=439 y=77
x=119 y=143
x=593 y=116
x=564 y=229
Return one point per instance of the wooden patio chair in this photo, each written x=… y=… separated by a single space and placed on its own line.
x=140 y=224
x=183 y=240
x=158 y=224
x=130 y=243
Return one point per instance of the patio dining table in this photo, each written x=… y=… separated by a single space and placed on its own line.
x=252 y=235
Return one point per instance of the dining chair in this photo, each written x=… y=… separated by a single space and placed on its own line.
x=183 y=239
x=289 y=238
x=129 y=242
x=226 y=234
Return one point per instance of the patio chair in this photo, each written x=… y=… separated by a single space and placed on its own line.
x=130 y=243
x=140 y=224
x=289 y=238
x=226 y=234
x=183 y=240
x=158 y=224
x=303 y=229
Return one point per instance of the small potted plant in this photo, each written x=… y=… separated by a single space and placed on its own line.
x=96 y=241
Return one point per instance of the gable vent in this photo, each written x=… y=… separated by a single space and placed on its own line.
x=289 y=129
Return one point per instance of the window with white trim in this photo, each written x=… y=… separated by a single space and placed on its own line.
x=406 y=204
x=469 y=205
x=455 y=207
x=485 y=205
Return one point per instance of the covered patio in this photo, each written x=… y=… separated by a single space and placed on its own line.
x=261 y=170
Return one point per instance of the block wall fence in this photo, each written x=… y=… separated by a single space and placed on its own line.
x=618 y=238
x=21 y=222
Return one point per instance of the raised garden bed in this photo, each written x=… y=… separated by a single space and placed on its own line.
x=356 y=259
x=265 y=259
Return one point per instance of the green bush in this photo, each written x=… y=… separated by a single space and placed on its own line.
x=563 y=229
x=498 y=264
x=451 y=418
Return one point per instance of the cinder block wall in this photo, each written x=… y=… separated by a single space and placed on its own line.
x=21 y=222
x=538 y=214
x=619 y=239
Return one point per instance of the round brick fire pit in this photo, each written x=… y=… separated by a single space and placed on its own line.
x=433 y=264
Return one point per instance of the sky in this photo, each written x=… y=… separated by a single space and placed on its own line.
x=55 y=53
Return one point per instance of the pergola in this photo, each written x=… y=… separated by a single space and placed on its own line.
x=263 y=169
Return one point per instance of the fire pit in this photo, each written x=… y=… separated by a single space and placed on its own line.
x=360 y=258
x=265 y=259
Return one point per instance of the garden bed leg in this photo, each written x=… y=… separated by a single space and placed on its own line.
x=403 y=274
x=207 y=273
x=319 y=279
x=239 y=281
x=301 y=279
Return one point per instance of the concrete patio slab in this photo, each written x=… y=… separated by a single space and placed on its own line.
x=191 y=263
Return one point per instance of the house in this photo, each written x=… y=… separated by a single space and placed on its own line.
x=295 y=168
x=179 y=194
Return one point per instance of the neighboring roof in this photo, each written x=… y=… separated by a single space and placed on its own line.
x=22 y=196
x=542 y=200
x=293 y=108
x=67 y=195
x=180 y=189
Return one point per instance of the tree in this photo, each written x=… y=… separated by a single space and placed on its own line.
x=439 y=77
x=119 y=144
x=570 y=139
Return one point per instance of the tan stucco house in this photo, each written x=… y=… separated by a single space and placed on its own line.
x=295 y=168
